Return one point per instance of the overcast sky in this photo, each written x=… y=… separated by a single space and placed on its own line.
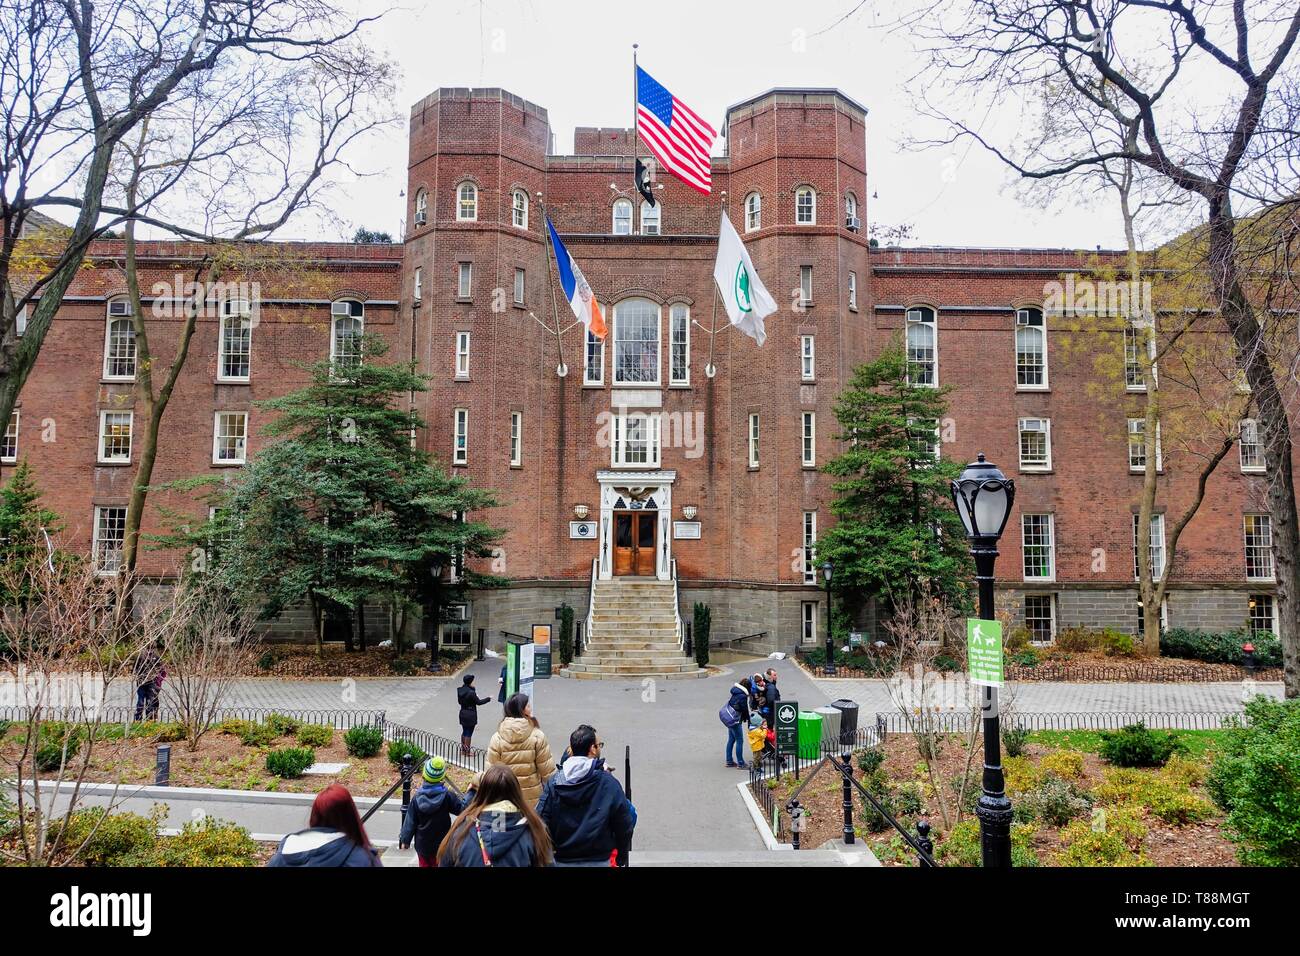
x=573 y=57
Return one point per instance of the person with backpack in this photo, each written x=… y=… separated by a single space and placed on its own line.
x=585 y=810
x=428 y=818
x=470 y=702
x=735 y=717
x=497 y=827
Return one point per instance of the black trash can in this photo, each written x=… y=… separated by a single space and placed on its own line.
x=848 y=720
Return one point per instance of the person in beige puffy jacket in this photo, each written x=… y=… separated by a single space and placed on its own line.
x=520 y=745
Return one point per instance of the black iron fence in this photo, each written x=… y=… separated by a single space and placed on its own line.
x=339 y=719
x=1085 y=672
x=894 y=723
x=435 y=746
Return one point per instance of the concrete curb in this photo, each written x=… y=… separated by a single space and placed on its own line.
x=756 y=814
x=211 y=794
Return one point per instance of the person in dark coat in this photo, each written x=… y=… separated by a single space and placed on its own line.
x=149 y=672
x=739 y=702
x=770 y=696
x=428 y=819
x=497 y=827
x=469 y=701
x=335 y=837
x=584 y=807
x=501 y=687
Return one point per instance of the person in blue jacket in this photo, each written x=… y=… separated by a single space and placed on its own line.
x=584 y=808
x=736 y=740
x=497 y=827
x=428 y=818
x=336 y=836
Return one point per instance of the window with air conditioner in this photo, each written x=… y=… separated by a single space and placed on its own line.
x=651 y=216
x=1035 y=444
x=235 y=342
x=349 y=326
x=1031 y=349
x=119 y=343
x=922 y=348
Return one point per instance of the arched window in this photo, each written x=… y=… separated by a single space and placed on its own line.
x=467 y=202
x=636 y=342
x=119 y=342
x=650 y=218
x=922 y=347
x=348 y=327
x=1031 y=348
x=851 y=211
x=753 y=212
x=805 y=206
x=421 y=208
x=519 y=209
x=623 y=217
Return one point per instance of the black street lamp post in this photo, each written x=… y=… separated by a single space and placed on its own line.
x=829 y=670
x=432 y=613
x=983 y=497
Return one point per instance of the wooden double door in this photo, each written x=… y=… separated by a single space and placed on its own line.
x=635 y=536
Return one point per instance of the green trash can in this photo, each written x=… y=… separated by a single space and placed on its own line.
x=810 y=734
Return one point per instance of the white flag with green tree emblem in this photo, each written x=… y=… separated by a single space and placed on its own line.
x=743 y=293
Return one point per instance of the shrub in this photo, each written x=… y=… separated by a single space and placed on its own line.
x=1117 y=644
x=701 y=627
x=1066 y=764
x=315 y=735
x=1112 y=838
x=1077 y=639
x=1256 y=779
x=364 y=741
x=1162 y=796
x=398 y=748
x=1014 y=739
x=945 y=662
x=54 y=738
x=209 y=842
x=1220 y=647
x=1136 y=746
x=406 y=666
x=962 y=846
x=908 y=801
x=267 y=660
x=1026 y=658
x=258 y=735
x=283 y=725
x=118 y=839
x=169 y=732
x=290 y=761
x=1055 y=802
x=1184 y=771
x=565 y=642
x=1017 y=639
x=1019 y=775
x=234 y=726
x=869 y=760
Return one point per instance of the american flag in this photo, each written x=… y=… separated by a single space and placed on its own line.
x=680 y=140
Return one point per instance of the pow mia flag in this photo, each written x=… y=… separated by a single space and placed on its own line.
x=644 y=184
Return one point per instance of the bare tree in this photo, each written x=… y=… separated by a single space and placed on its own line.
x=1007 y=49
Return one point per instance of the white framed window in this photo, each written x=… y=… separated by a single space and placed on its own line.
x=349 y=327
x=521 y=278
x=115 y=436
x=923 y=434
x=1135 y=374
x=462 y=355
x=519 y=209
x=850 y=211
x=1040 y=617
x=464 y=279
x=651 y=216
x=853 y=289
x=460 y=440
x=230 y=438
x=753 y=439
x=805 y=285
x=922 y=347
x=235 y=342
x=622 y=217
x=679 y=344
x=635 y=440
x=809 y=547
x=1252 y=451
x=1038 y=545
x=9 y=441
x=636 y=342
x=1141 y=628
x=1261 y=614
x=1157 y=544
x=467 y=202
x=809 y=439
x=417 y=284
x=807 y=358
x=753 y=212
x=1258 y=530
x=1137 y=446
x=1031 y=349
x=594 y=369
x=1035 y=444
x=808 y=632
x=805 y=206
x=516 y=439
x=110 y=533
x=20 y=323
x=421 y=207
x=119 y=343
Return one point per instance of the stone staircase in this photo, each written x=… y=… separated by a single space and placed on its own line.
x=633 y=634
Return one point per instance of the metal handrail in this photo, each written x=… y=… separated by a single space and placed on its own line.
x=677 y=610
x=591 y=600
x=847 y=772
x=736 y=640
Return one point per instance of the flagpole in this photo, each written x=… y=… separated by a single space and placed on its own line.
x=555 y=316
x=636 y=115
x=717 y=294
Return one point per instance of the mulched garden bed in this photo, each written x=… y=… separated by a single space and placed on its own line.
x=301 y=660
x=1087 y=668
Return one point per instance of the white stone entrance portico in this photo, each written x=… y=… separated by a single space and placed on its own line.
x=636 y=491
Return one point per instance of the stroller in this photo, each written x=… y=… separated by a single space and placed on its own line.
x=762 y=740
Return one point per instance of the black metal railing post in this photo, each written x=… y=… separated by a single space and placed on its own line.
x=846 y=768
x=796 y=822
x=923 y=838
x=408 y=767
x=481 y=654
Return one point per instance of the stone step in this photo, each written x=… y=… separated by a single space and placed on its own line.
x=643 y=662
x=666 y=667
x=621 y=626
x=606 y=647
x=656 y=675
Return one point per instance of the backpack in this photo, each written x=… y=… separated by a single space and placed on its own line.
x=728 y=715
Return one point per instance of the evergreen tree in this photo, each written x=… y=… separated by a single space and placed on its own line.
x=896 y=529
x=24 y=524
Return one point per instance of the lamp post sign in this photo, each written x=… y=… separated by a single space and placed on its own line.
x=984 y=651
x=787 y=728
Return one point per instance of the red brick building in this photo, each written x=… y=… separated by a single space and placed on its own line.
x=637 y=460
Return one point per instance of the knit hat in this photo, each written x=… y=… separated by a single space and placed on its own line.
x=435 y=770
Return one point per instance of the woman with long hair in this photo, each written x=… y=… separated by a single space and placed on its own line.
x=335 y=836
x=497 y=828
x=520 y=745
